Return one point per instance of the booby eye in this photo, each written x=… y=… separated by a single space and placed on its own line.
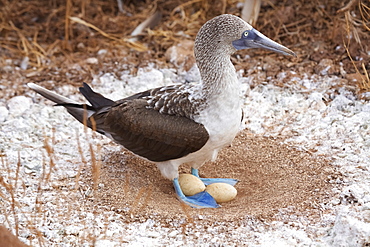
x=245 y=34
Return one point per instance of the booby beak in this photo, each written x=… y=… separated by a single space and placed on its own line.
x=254 y=39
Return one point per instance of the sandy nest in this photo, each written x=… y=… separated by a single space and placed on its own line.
x=271 y=175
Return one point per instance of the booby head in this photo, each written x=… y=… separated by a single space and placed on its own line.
x=251 y=38
x=225 y=34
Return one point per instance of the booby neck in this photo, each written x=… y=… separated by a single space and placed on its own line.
x=219 y=77
x=213 y=48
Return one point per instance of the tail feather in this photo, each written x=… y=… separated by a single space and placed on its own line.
x=81 y=112
x=96 y=100
x=56 y=98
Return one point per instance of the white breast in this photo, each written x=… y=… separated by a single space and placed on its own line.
x=221 y=118
x=223 y=115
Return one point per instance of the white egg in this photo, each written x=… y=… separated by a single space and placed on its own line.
x=190 y=184
x=222 y=192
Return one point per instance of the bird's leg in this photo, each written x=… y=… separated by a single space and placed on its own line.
x=208 y=181
x=200 y=200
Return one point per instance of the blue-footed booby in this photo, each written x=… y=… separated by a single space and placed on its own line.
x=186 y=123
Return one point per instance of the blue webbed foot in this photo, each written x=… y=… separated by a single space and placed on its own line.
x=208 y=181
x=200 y=200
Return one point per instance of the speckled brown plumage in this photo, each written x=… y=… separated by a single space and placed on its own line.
x=150 y=134
x=143 y=129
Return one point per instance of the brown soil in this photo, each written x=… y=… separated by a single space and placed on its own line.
x=271 y=175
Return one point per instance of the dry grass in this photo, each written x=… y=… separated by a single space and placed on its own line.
x=14 y=188
x=58 y=36
x=352 y=29
x=69 y=197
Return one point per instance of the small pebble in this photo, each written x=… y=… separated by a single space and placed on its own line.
x=3 y=113
x=92 y=60
x=18 y=105
x=24 y=63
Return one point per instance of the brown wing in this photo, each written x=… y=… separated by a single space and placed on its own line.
x=150 y=134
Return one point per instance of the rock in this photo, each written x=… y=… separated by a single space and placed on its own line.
x=3 y=113
x=190 y=184
x=102 y=52
x=92 y=60
x=326 y=67
x=18 y=105
x=355 y=77
x=24 y=63
x=181 y=54
x=222 y=192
